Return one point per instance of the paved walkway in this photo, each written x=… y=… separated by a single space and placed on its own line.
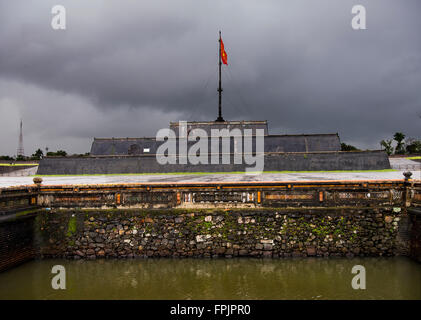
x=400 y=164
x=299 y=176
x=403 y=163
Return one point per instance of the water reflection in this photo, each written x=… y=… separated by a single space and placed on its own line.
x=387 y=278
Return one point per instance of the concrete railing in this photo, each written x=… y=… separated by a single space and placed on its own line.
x=324 y=194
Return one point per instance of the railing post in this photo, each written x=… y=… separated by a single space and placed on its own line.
x=406 y=193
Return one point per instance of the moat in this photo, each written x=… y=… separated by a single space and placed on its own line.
x=245 y=240
x=238 y=278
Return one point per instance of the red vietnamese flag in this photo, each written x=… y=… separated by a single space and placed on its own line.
x=224 y=56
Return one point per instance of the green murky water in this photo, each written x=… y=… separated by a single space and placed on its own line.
x=386 y=278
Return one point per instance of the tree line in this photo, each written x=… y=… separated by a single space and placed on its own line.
x=400 y=144
x=37 y=155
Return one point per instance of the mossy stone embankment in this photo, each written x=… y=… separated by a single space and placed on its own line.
x=218 y=233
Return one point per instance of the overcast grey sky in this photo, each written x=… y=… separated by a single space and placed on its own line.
x=125 y=68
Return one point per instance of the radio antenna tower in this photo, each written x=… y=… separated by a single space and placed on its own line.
x=20 y=152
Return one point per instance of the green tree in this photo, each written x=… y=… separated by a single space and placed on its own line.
x=58 y=153
x=20 y=158
x=348 y=147
x=37 y=155
x=413 y=146
x=8 y=158
x=400 y=148
x=81 y=154
x=387 y=145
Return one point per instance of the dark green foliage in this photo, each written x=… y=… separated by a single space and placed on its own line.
x=414 y=147
x=80 y=155
x=59 y=153
x=8 y=158
x=387 y=145
x=37 y=155
x=400 y=146
x=348 y=147
x=403 y=146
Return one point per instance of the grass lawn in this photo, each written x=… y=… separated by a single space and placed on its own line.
x=17 y=164
x=204 y=173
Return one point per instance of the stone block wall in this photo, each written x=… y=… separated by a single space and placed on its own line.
x=415 y=239
x=273 y=143
x=17 y=243
x=320 y=161
x=218 y=233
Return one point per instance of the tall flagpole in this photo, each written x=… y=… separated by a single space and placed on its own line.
x=220 y=119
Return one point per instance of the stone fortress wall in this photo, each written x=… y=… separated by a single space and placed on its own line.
x=317 y=161
x=306 y=152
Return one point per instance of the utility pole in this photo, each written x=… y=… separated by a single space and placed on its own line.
x=20 y=151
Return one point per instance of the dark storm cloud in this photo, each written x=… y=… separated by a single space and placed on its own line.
x=125 y=68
